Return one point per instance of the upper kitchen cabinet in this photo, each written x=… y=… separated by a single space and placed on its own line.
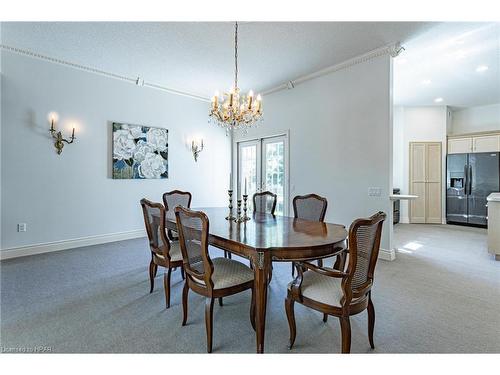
x=475 y=143
x=487 y=143
x=459 y=145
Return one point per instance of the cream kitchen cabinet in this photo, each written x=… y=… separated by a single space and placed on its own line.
x=459 y=145
x=474 y=143
x=487 y=143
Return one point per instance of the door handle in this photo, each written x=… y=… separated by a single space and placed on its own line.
x=466 y=176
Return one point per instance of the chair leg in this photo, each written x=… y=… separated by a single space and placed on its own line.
x=221 y=303
x=371 y=320
x=151 y=276
x=345 y=327
x=270 y=276
x=209 y=313
x=185 y=292
x=182 y=274
x=320 y=262
x=293 y=269
x=252 y=310
x=290 y=314
x=325 y=318
x=155 y=270
x=166 y=286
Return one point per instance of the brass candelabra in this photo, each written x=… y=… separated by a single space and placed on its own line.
x=230 y=216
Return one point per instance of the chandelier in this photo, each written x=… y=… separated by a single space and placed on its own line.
x=233 y=111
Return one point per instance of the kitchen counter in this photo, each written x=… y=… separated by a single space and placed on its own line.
x=395 y=197
x=493 y=197
x=494 y=225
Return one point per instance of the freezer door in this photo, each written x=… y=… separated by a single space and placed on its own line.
x=456 y=182
x=483 y=180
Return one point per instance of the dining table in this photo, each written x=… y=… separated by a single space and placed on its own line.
x=266 y=238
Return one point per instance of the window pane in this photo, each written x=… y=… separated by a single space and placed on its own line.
x=249 y=171
x=275 y=172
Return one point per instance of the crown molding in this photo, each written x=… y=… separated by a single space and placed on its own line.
x=138 y=81
x=392 y=49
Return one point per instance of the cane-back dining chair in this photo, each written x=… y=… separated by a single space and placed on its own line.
x=310 y=207
x=212 y=278
x=265 y=202
x=341 y=293
x=172 y=199
x=164 y=253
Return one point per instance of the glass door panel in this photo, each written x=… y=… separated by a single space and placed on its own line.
x=264 y=164
x=249 y=169
x=274 y=178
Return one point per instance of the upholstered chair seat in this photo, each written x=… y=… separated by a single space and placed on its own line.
x=175 y=252
x=227 y=273
x=321 y=288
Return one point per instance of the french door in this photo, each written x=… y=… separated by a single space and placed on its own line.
x=263 y=163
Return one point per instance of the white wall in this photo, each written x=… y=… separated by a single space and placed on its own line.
x=71 y=195
x=476 y=119
x=416 y=124
x=340 y=139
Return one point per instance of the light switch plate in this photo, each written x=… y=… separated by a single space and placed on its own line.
x=21 y=227
x=374 y=191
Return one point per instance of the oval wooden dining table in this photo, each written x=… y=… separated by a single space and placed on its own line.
x=266 y=238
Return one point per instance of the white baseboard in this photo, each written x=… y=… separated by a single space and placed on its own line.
x=48 y=247
x=385 y=254
x=405 y=220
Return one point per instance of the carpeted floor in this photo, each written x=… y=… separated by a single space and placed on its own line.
x=441 y=295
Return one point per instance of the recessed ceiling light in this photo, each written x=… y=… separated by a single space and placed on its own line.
x=481 y=68
x=426 y=82
x=438 y=100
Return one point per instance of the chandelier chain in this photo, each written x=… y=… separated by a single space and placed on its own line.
x=236 y=54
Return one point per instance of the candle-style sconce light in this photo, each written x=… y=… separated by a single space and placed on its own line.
x=196 y=148
x=57 y=135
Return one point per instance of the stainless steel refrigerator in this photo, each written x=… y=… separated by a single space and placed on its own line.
x=470 y=179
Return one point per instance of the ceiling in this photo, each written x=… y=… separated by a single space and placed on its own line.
x=443 y=63
x=197 y=57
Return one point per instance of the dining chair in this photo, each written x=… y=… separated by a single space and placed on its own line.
x=310 y=207
x=172 y=199
x=265 y=202
x=344 y=292
x=211 y=278
x=163 y=252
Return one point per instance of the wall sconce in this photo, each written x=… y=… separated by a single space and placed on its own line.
x=59 y=143
x=196 y=148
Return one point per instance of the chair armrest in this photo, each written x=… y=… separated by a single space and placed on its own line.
x=331 y=272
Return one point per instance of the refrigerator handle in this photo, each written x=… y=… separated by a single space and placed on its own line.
x=466 y=175
x=469 y=179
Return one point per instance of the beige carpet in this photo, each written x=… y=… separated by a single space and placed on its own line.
x=441 y=295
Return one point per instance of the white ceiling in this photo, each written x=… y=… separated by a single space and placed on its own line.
x=197 y=57
x=442 y=63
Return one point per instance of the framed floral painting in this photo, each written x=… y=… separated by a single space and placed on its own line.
x=139 y=152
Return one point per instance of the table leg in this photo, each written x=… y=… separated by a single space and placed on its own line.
x=262 y=266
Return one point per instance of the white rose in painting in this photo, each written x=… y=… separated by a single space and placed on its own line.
x=123 y=144
x=135 y=131
x=152 y=166
x=158 y=138
x=141 y=149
